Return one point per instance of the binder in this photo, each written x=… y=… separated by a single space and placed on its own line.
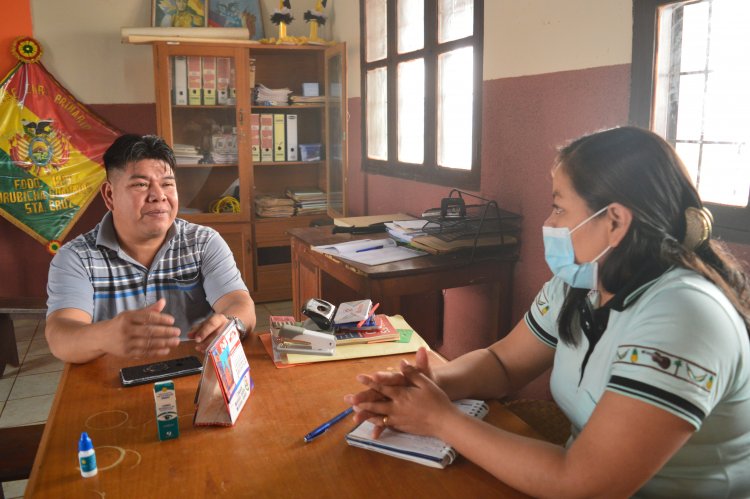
x=255 y=136
x=222 y=79
x=266 y=137
x=291 y=137
x=209 y=81
x=279 y=143
x=194 y=80
x=180 y=80
x=232 y=86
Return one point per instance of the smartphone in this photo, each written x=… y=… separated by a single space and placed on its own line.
x=149 y=373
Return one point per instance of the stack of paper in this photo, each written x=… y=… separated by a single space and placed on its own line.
x=308 y=200
x=265 y=96
x=406 y=230
x=186 y=154
x=273 y=206
x=370 y=251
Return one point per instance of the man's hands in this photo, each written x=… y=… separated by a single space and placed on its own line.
x=203 y=333
x=143 y=332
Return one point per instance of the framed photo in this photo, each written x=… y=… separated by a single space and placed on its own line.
x=178 y=13
x=237 y=14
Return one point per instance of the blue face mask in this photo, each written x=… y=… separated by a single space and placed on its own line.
x=561 y=258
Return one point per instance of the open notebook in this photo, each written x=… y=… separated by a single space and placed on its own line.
x=429 y=451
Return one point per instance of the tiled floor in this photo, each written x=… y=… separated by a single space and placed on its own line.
x=26 y=392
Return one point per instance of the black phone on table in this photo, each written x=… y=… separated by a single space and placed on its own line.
x=158 y=371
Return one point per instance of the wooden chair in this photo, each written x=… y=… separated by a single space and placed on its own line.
x=15 y=305
x=17 y=452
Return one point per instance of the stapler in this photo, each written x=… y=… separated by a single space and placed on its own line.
x=298 y=339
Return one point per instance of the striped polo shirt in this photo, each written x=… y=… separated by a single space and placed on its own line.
x=192 y=270
x=680 y=345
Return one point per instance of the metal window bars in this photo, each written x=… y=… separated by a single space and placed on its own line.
x=480 y=220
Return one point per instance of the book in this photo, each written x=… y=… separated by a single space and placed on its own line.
x=368 y=220
x=384 y=331
x=225 y=384
x=429 y=451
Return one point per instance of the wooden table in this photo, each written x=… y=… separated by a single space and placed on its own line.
x=412 y=288
x=263 y=455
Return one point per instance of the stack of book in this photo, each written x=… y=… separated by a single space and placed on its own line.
x=273 y=206
x=308 y=200
x=186 y=154
x=265 y=96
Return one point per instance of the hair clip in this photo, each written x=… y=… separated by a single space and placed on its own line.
x=698 y=226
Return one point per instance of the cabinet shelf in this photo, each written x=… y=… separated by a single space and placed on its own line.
x=289 y=163
x=207 y=165
x=290 y=106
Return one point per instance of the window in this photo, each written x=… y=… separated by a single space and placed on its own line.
x=422 y=89
x=691 y=84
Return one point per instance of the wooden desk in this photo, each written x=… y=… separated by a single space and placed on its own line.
x=263 y=455
x=412 y=288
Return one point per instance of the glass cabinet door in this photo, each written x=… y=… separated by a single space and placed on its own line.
x=203 y=125
x=336 y=125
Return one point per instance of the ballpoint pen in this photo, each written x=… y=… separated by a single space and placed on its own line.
x=368 y=249
x=324 y=427
x=372 y=312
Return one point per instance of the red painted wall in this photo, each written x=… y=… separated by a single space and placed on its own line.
x=15 y=22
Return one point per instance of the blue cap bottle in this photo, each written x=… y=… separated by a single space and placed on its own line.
x=86 y=456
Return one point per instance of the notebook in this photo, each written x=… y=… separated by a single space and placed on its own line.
x=429 y=451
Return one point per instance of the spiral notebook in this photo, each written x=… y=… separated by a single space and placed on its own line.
x=429 y=451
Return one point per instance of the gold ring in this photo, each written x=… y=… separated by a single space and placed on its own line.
x=385 y=421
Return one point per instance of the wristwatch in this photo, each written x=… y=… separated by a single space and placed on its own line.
x=240 y=325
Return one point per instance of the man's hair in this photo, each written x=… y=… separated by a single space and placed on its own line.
x=131 y=148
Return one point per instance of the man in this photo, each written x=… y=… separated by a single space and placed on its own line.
x=142 y=280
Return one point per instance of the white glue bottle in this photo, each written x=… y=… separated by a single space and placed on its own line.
x=86 y=456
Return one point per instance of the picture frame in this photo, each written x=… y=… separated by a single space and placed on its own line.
x=178 y=13
x=237 y=14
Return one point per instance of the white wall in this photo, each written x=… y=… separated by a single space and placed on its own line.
x=526 y=37
x=81 y=42
x=81 y=39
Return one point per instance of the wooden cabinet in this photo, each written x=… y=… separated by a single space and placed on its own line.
x=209 y=126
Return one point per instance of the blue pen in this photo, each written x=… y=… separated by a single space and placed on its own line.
x=368 y=249
x=324 y=427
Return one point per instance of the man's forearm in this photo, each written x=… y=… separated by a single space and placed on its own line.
x=72 y=340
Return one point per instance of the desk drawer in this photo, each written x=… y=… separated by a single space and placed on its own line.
x=272 y=232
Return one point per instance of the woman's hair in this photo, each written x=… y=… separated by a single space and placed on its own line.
x=641 y=171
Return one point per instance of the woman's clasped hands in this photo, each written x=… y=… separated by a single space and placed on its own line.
x=410 y=400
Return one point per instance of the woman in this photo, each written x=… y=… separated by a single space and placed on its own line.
x=645 y=324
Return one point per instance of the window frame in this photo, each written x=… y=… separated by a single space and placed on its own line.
x=730 y=223
x=428 y=171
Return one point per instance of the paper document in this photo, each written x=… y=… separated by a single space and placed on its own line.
x=370 y=251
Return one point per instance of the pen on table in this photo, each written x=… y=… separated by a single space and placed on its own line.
x=369 y=249
x=324 y=427
x=372 y=312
